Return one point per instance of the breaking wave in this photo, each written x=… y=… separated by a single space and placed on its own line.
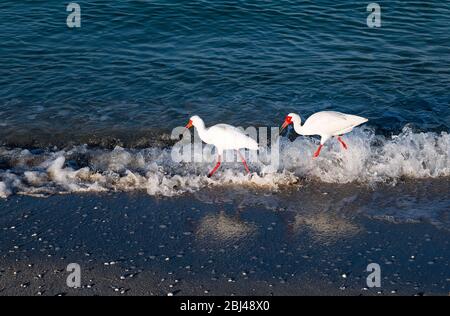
x=370 y=159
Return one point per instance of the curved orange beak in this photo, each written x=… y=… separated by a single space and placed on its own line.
x=286 y=123
x=189 y=124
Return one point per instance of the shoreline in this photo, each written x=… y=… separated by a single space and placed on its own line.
x=314 y=241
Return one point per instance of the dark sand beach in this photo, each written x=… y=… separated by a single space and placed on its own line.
x=309 y=240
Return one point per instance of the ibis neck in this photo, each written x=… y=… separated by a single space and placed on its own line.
x=298 y=128
x=201 y=129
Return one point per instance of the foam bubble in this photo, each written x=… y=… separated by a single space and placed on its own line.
x=370 y=159
x=4 y=191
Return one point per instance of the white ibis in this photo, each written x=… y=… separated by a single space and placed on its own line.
x=223 y=137
x=326 y=124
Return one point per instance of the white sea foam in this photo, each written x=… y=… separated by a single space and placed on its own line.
x=4 y=191
x=370 y=159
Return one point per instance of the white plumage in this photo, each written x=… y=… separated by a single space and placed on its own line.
x=326 y=124
x=223 y=137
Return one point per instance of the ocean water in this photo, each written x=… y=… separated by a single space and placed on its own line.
x=91 y=109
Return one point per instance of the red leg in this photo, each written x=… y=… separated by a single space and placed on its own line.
x=215 y=168
x=243 y=161
x=342 y=142
x=317 y=153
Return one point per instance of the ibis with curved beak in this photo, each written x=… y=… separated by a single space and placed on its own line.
x=223 y=137
x=326 y=124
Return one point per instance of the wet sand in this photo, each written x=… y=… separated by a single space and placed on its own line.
x=309 y=240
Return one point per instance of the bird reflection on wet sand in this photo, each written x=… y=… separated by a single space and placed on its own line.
x=224 y=229
x=232 y=240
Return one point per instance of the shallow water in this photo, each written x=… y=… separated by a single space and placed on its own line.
x=91 y=109
x=139 y=65
x=371 y=160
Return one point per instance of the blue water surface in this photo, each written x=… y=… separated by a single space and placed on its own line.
x=151 y=64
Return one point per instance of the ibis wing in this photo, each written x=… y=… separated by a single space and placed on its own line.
x=333 y=123
x=230 y=137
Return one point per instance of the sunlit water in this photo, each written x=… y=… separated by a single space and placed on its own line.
x=137 y=69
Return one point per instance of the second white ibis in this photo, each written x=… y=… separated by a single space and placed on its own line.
x=326 y=124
